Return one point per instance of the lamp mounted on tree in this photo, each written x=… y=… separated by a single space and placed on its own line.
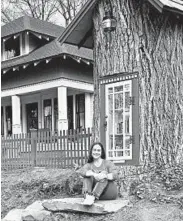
x=109 y=22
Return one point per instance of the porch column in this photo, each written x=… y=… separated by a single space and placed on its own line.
x=16 y=118
x=62 y=109
x=88 y=110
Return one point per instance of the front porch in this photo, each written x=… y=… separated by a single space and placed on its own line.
x=56 y=105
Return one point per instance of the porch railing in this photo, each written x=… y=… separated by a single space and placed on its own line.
x=45 y=149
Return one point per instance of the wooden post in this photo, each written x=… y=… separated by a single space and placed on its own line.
x=33 y=146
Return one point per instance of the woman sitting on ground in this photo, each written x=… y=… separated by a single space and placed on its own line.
x=98 y=176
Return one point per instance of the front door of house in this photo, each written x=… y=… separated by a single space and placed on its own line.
x=32 y=116
x=118 y=114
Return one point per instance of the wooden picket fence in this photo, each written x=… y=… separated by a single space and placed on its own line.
x=45 y=149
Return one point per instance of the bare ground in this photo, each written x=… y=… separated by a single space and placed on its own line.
x=20 y=188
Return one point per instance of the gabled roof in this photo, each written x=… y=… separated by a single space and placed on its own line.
x=81 y=25
x=168 y=5
x=76 y=32
x=50 y=50
x=32 y=24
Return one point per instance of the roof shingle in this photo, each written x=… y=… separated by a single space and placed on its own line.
x=32 y=24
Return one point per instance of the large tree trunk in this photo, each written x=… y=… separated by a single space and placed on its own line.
x=150 y=43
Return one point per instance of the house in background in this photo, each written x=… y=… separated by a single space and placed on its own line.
x=44 y=85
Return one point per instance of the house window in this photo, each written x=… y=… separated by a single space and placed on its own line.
x=47 y=114
x=56 y=114
x=119 y=117
x=12 y=47
x=9 y=120
x=32 y=116
x=80 y=111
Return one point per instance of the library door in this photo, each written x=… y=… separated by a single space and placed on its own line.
x=118 y=120
x=32 y=116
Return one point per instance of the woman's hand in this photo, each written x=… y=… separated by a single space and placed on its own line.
x=100 y=176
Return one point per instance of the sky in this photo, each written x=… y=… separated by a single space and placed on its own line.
x=56 y=18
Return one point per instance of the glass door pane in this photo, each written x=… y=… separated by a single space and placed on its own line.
x=110 y=102
x=127 y=123
x=119 y=120
x=118 y=126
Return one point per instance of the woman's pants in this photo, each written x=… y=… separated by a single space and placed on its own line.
x=103 y=190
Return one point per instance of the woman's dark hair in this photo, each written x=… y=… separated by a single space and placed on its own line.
x=90 y=158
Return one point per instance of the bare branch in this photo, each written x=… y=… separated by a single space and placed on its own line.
x=41 y=9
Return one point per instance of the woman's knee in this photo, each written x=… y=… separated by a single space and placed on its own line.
x=110 y=193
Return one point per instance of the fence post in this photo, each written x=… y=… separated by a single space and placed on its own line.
x=33 y=146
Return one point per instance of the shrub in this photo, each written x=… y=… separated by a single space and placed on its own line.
x=171 y=177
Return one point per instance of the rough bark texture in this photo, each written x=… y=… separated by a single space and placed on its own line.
x=152 y=44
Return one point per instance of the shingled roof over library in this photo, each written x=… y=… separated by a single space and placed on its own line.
x=79 y=30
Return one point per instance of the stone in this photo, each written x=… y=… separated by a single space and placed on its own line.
x=42 y=210
x=32 y=215
x=14 y=215
x=37 y=205
x=75 y=205
x=28 y=218
x=35 y=212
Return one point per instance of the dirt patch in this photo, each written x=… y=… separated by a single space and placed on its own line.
x=20 y=188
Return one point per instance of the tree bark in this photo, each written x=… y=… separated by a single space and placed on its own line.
x=150 y=43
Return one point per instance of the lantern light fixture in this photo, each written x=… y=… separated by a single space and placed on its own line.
x=109 y=22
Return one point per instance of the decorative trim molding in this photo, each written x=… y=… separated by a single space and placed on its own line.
x=118 y=77
x=47 y=60
x=88 y=87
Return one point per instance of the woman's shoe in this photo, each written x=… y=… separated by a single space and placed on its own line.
x=89 y=200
